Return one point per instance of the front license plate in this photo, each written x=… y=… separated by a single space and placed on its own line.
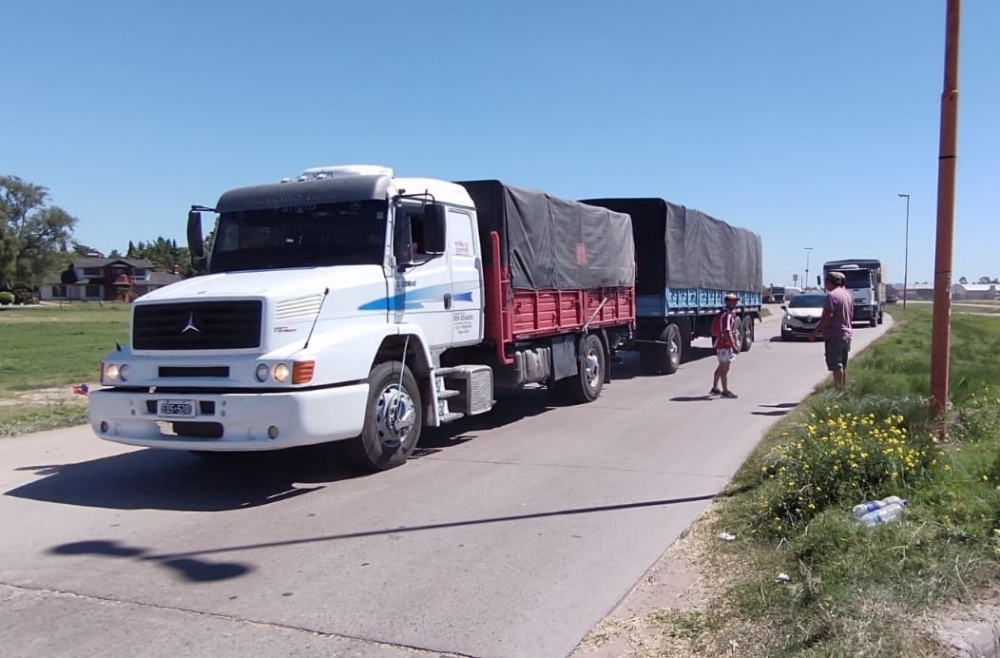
x=177 y=408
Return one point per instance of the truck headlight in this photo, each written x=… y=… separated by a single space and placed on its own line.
x=111 y=372
x=123 y=372
x=280 y=373
x=262 y=372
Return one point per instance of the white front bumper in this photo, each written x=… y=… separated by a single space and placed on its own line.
x=301 y=418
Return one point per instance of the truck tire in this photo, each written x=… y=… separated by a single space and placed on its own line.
x=587 y=384
x=873 y=321
x=393 y=418
x=738 y=330
x=670 y=352
x=880 y=318
x=748 y=334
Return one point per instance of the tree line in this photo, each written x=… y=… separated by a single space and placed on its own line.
x=36 y=239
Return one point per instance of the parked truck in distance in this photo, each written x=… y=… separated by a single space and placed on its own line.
x=687 y=262
x=865 y=279
x=353 y=305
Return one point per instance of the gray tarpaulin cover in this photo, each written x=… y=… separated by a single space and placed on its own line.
x=552 y=243
x=678 y=247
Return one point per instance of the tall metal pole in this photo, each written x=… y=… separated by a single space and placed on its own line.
x=906 y=248
x=805 y=284
x=948 y=154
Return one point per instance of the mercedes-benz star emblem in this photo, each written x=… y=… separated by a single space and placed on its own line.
x=190 y=325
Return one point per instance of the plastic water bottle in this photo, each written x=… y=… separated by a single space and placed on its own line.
x=872 y=505
x=885 y=514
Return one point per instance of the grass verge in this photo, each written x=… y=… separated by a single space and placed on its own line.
x=43 y=352
x=803 y=578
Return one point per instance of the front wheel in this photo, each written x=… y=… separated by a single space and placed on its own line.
x=393 y=418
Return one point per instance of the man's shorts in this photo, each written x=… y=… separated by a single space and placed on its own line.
x=837 y=350
x=725 y=355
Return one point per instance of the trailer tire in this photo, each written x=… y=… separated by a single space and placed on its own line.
x=393 y=418
x=670 y=352
x=748 y=334
x=586 y=385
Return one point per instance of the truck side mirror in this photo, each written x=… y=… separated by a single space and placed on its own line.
x=434 y=229
x=196 y=242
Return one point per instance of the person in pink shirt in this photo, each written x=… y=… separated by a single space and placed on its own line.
x=835 y=327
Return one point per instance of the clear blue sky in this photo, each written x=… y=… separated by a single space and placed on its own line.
x=799 y=120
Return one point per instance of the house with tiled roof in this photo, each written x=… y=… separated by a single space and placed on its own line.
x=88 y=278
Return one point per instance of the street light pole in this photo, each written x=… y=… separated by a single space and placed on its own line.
x=906 y=247
x=805 y=283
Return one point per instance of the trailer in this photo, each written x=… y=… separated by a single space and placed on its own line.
x=686 y=264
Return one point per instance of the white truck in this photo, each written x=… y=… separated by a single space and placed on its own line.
x=865 y=279
x=349 y=304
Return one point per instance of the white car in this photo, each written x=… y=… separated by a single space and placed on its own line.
x=802 y=314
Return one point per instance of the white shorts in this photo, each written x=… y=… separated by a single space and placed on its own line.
x=725 y=355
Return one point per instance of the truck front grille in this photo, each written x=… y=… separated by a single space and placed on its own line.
x=197 y=326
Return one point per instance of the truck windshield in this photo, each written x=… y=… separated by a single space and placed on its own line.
x=857 y=278
x=324 y=235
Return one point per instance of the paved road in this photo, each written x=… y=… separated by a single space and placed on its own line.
x=509 y=536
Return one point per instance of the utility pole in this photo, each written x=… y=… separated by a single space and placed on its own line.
x=947 y=156
x=906 y=247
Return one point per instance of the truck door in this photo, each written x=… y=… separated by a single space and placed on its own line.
x=466 y=277
x=423 y=285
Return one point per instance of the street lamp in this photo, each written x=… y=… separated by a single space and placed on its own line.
x=906 y=247
x=805 y=284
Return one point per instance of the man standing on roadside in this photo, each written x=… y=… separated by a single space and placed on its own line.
x=726 y=347
x=835 y=325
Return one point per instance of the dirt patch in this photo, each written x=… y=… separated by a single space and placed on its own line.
x=42 y=397
x=676 y=586
x=970 y=630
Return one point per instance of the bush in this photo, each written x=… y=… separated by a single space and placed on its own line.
x=6 y=298
x=840 y=458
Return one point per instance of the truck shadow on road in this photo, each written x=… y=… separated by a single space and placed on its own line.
x=178 y=481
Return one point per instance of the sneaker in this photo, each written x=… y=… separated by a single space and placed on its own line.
x=715 y=391
x=729 y=394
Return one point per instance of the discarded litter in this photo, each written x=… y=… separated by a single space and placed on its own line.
x=783 y=578
x=884 y=514
x=725 y=536
x=872 y=505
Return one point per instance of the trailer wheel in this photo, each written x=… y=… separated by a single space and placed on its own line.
x=393 y=418
x=748 y=334
x=738 y=330
x=586 y=385
x=670 y=352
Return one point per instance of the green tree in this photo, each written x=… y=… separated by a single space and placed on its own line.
x=32 y=232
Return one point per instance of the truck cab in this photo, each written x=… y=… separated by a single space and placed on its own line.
x=347 y=304
x=865 y=280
